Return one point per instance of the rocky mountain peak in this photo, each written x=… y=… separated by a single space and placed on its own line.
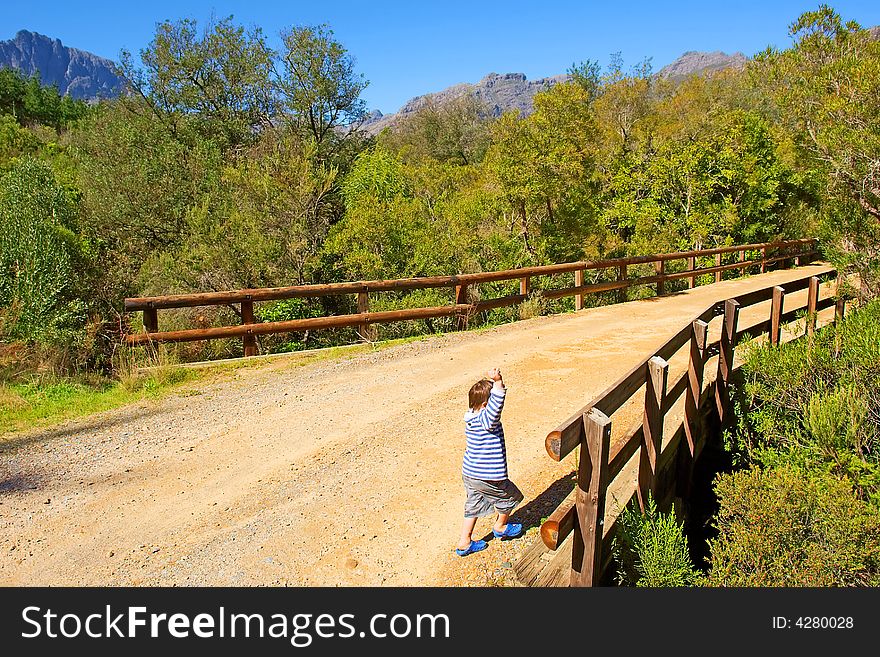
x=78 y=73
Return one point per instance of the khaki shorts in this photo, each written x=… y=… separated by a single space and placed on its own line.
x=484 y=498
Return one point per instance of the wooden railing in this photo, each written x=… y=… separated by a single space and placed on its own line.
x=761 y=255
x=664 y=466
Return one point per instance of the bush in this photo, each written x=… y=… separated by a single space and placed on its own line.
x=816 y=402
x=651 y=549
x=41 y=257
x=791 y=527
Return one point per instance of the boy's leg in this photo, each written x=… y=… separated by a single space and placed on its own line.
x=467 y=529
x=501 y=522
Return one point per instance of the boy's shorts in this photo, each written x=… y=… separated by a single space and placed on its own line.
x=484 y=498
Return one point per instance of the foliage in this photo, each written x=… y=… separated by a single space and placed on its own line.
x=319 y=86
x=29 y=102
x=41 y=256
x=815 y=402
x=826 y=93
x=789 y=527
x=651 y=550
x=456 y=131
x=216 y=82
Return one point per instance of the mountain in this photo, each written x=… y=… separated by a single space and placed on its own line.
x=694 y=62
x=499 y=93
x=80 y=74
x=513 y=91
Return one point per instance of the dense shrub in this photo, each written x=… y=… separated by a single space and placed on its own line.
x=41 y=257
x=651 y=549
x=817 y=402
x=790 y=527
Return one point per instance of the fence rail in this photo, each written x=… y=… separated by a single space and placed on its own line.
x=785 y=252
x=664 y=466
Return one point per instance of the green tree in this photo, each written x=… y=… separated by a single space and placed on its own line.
x=826 y=90
x=216 y=81
x=319 y=88
x=456 y=131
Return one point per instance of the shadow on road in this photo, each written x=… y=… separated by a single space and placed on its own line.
x=535 y=511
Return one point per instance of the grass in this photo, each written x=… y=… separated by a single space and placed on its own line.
x=40 y=403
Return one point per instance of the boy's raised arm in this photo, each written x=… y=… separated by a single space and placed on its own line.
x=491 y=416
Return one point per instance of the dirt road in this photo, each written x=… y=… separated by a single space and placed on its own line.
x=342 y=472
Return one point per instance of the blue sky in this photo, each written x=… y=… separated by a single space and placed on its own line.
x=409 y=48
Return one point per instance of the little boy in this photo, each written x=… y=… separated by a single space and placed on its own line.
x=484 y=470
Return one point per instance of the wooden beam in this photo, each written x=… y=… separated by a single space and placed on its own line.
x=292 y=325
x=592 y=485
x=696 y=364
x=579 y=282
x=151 y=320
x=461 y=293
x=652 y=427
x=247 y=318
x=691 y=266
x=561 y=522
x=623 y=278
x=718 y=272
x=725 y=359
x=524 y=286
x=776 y=310
x=812 y=301
x=366 y=331
x=660 y=269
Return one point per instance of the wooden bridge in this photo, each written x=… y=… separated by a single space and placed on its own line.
x=657 y=452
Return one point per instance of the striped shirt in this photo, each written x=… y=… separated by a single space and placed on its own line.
x=485 y=456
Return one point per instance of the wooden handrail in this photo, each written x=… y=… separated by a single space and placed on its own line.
x=427 y=282
x=460 y=308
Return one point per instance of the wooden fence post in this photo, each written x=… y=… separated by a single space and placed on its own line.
x=696 y=365
x=692 y=264
x=776 y=305
x=151 y=320
x=592 y=486
x=725 y=358
x=652 y=427
x=839 y=309
x=367 y=332
x=763 y=259
x=693 y=421
x=718 y=274
x=461 y=322
x=812 y=300
x=622 y=276
x=247 y=317
x=660 y=269
x=579 y=282
x=525 y=286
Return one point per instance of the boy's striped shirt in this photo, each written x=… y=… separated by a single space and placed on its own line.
x=485 y=456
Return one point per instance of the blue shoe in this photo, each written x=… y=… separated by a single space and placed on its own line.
x=512 y=530
x=475 y=546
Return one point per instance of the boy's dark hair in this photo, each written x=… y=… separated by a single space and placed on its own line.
x=479 y=393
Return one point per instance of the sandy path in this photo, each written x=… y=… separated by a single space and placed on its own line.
x=333 y=473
